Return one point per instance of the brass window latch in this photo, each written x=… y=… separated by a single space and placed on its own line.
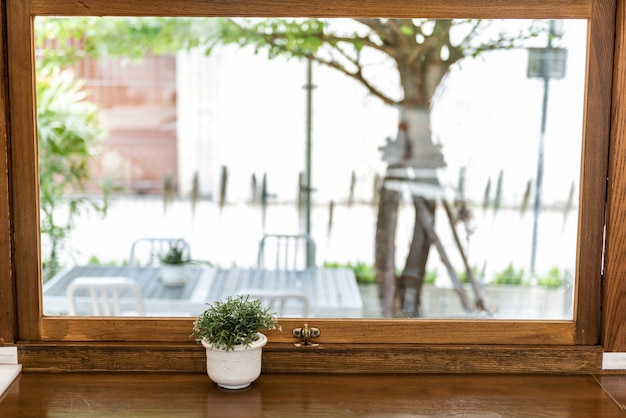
x=306 y=334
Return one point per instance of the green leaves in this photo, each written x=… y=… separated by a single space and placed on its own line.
x=293 y=38
x=69 y=136
x=421 y=49
x=234 y=322
x=509 y=276
x=553 y=279
x=175 y=254
x=129 y=37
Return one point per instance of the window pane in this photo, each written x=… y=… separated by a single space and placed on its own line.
x=214 y=150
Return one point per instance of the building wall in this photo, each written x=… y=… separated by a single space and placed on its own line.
x=137 y=107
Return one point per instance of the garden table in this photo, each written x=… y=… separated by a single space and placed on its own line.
x=331 y=292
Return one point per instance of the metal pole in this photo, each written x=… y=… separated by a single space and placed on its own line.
x=545 y=71
x=539 y=180
x=309 y=111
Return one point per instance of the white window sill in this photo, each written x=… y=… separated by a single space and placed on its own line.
x=8 y=373
x=9 y=369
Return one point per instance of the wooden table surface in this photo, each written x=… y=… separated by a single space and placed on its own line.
x=311 y=395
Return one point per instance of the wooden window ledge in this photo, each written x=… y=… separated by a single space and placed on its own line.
x=319 y=395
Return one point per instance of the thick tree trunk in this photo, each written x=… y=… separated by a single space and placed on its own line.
x=412 y=276
x=412 y=162
x=386 y=248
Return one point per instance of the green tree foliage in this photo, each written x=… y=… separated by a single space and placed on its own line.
x=421 y=50
x=63 y=40
x=68 y=138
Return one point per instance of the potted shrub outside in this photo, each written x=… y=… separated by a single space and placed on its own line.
x=230 y=333
x=173 y=264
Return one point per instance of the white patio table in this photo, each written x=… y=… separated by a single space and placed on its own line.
x=158 y=299
x=332 y=293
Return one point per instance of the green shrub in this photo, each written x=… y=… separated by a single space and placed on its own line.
x=363 y=272
x=509 y=276
x=94 y=260
x=553 y=279
x=366 y=274
x=430 y=276
x=463 y=275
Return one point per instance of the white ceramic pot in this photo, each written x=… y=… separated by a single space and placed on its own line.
x=235 y=369
x=173 y=274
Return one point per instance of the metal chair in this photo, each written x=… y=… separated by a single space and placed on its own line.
x=104 y=296
x=281 y=302
x=286 y=252
x=146 y=251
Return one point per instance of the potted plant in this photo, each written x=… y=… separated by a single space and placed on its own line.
x=230 y=333
x=173 y=262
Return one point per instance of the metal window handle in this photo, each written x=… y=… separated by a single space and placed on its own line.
x=306 y=333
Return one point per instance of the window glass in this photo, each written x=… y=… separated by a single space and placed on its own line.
x=208 y=147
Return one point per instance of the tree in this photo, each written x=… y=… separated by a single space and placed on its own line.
x=422 y=51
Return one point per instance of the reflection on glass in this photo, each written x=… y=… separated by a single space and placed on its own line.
x=441 y=185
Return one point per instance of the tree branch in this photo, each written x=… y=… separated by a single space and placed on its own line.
x=356 y=75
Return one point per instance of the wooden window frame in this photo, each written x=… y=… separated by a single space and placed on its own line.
x=346 y=345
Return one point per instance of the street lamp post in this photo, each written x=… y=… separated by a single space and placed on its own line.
x=545 y=63
x=308 y=156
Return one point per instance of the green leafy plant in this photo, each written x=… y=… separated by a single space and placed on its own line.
x=234 y=322
x=476 y=273
x=175 y=254
x=363 y=272
x=553 y=279
x=430 y=276
x=366 y=273
x=94 y=260
x=69 y=139
x=509 y=276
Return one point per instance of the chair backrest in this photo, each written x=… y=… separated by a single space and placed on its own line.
x=286 y=252
x=106 y=296
x=146 y=251
x=283 y=302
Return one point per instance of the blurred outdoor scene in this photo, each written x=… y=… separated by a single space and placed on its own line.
x=201 y=131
